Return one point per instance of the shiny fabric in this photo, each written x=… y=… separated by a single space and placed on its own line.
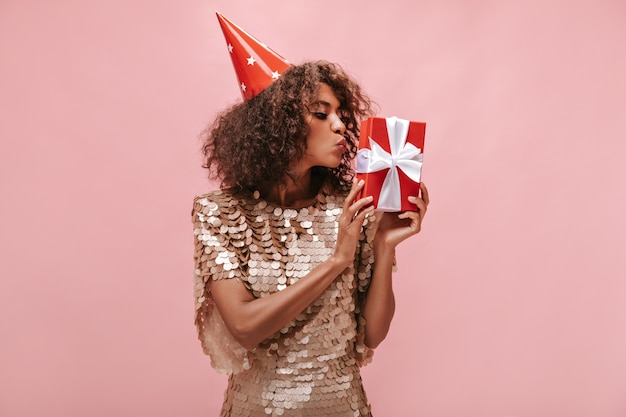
x=311 y=366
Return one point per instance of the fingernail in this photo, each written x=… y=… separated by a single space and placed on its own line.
x=369 y=198
x=361 y=182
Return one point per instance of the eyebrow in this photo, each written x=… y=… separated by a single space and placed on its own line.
x=324 y=103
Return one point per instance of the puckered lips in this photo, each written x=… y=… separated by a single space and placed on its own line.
x=342 y=144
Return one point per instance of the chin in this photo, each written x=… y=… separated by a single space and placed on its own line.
x=329 y=166
x=330 y=163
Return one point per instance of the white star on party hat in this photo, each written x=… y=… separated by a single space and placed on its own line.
x=256 y=65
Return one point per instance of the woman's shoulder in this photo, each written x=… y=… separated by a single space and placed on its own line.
x=215 y=202
x=214 y=196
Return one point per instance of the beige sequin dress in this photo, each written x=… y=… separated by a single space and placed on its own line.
x=311 y=366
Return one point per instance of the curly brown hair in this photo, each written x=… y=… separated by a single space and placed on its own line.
x=252 y=143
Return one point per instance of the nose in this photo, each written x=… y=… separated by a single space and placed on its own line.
x=337 y=125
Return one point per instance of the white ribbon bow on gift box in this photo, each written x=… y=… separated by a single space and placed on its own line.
x=405 y=156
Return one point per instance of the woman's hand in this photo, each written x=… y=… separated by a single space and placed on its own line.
x=350 y=223
x=393 y=228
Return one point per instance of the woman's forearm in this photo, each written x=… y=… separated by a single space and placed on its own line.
x=380 y=302
x=252 y=320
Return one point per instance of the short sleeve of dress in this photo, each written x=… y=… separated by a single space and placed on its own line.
x=364 y=264
x=215 y=257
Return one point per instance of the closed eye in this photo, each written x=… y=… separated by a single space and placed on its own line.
x=320 y=115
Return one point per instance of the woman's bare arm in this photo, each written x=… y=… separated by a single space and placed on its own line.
x=252 y=320
x=380 y=304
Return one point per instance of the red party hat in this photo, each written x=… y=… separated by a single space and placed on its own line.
x=256 y=65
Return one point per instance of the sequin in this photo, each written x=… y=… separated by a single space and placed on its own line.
x=311 y=366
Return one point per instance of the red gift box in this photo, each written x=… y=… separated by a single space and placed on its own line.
x=390 y=161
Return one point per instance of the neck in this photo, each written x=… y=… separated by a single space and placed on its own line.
x=293 y=192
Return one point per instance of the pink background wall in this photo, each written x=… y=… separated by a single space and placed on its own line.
x=511 y=302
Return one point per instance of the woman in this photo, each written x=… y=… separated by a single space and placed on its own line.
x=293 y=276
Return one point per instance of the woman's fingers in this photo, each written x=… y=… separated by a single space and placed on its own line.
x=360 y=203
x=409 y=215
x=415 y=217
x=421 y=204
x=425 y=196
x=351 y=220
x=352 y=209
x=357 y=186
x=396 y=227
x=357 y=209
x=362 y=214
x=408 y=224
